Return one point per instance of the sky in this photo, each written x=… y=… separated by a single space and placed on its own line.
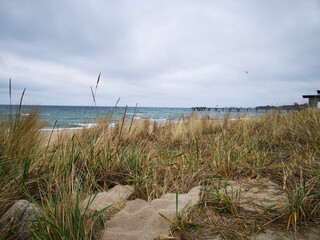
x=160 y=53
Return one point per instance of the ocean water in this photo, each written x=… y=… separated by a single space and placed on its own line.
x=80 y=116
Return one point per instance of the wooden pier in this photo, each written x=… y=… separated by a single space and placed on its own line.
x=313 y=102
x=200 y=109
x=224 y=109
x=260 y=109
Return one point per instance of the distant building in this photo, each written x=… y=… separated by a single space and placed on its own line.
x=313 y=99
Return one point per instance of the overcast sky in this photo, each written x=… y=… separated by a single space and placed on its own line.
x=160 y=53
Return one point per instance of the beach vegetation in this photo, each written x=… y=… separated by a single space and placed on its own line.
x=49 y=168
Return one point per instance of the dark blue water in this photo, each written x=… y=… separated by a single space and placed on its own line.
x=80 y=116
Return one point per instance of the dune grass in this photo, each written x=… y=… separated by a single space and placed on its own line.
x=156 y=159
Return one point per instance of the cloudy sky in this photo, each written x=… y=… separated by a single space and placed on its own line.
x=174 y=53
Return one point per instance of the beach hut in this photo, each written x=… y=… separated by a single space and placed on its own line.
x=313 y=99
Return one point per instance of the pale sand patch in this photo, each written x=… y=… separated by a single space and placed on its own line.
x=255 y=195
x=116 y=195
x=312 y=233
x=141 y=220
x=56 y=135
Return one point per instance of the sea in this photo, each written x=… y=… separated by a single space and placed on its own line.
x=77 y=117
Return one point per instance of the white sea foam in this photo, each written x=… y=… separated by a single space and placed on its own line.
x=76 y=126
x=59 y=129
x=85 y=125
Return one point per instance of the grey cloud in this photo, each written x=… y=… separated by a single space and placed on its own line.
x=163 y=53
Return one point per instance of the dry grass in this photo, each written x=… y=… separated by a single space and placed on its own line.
x=157 y=159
